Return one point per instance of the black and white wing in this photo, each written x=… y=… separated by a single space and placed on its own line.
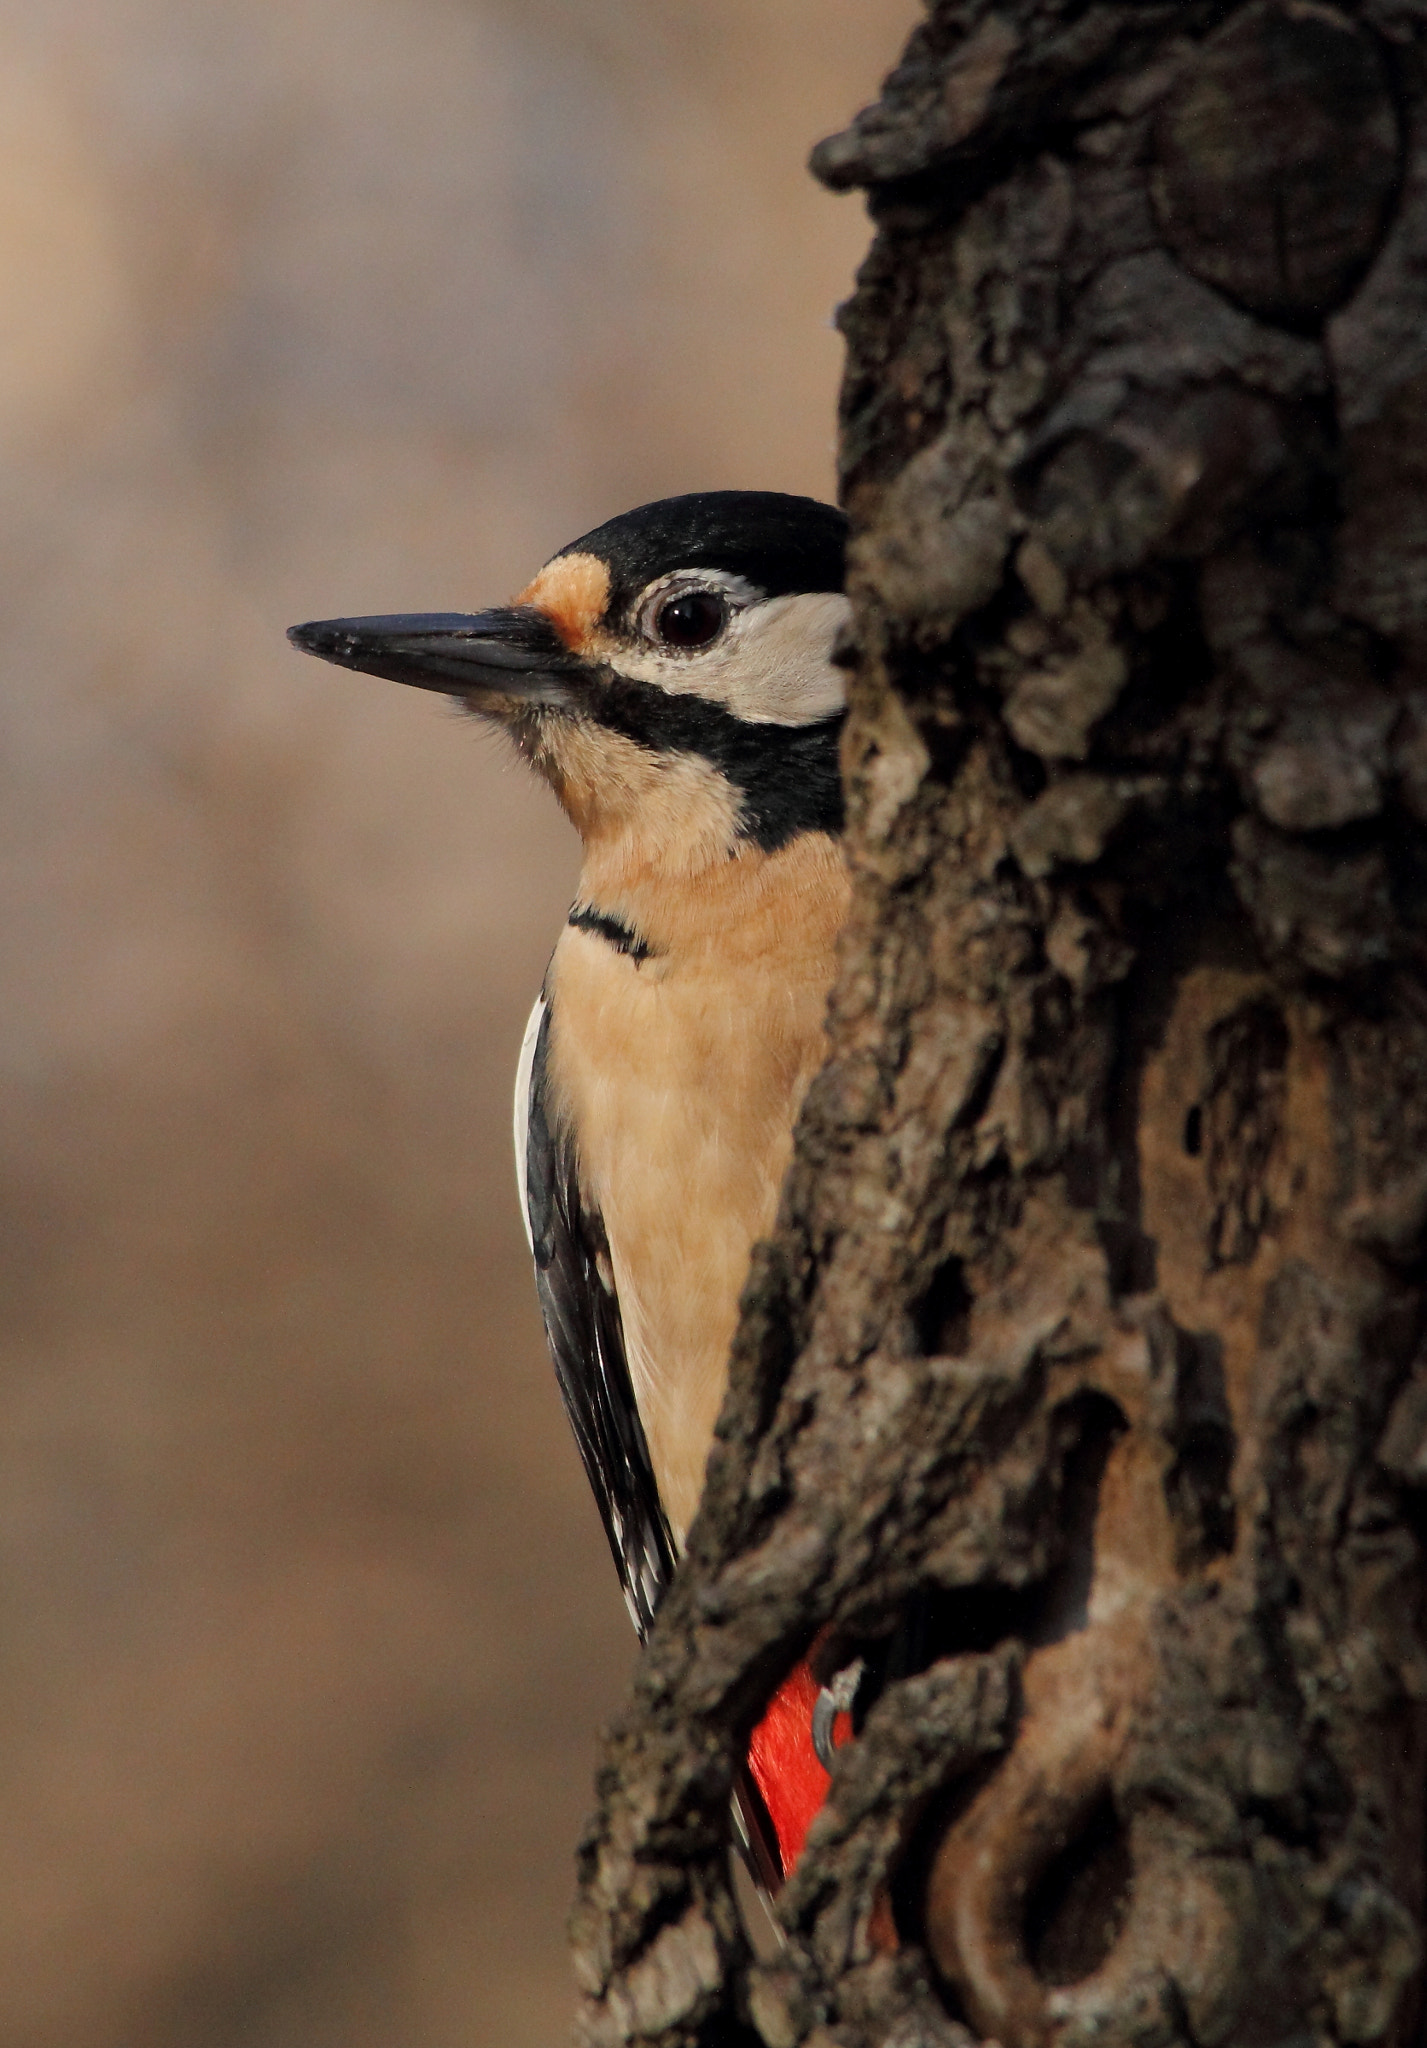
x=575 y=1283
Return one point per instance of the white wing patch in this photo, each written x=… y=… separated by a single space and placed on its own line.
x=525 y=1067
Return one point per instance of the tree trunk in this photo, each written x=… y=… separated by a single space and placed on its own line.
x=1083 y=1391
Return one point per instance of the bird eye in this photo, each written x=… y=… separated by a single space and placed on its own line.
x=692 y=619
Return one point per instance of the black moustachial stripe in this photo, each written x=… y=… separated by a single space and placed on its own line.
x=789 y=776
x=612 y=930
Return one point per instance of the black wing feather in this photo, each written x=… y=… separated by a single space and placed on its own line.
x=575 y=1283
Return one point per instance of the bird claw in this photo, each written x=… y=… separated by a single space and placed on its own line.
x=835 y=1698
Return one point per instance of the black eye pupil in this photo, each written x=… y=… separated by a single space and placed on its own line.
x=691 y=620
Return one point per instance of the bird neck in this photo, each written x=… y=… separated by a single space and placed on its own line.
x=636 y=809
x=745 y=905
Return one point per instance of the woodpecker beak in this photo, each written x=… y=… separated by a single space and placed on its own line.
x=512 y=654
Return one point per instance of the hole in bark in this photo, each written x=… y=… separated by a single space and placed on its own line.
x=1130 y=1256
x=941 y=1318
x=1197 y=1485
x=1194 y=1132
x=1092 y=1422
x=1077 y=1910
x=1083 y=1175
x=1028 y=771
x=911 y=1875
x=945 y=734
x=1242 y=1124
x=1170 y=660
x=1199 y=1496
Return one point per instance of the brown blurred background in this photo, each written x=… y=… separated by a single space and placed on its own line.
x=307 y=307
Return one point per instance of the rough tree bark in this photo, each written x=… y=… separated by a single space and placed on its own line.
x=1092 y=1338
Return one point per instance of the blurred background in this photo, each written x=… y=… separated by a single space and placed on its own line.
x=307 y=1624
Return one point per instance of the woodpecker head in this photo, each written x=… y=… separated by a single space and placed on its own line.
x=671 y=674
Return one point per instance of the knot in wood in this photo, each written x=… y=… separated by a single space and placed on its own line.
x=1277 y=158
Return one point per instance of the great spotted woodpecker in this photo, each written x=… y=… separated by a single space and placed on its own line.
x=672 y=676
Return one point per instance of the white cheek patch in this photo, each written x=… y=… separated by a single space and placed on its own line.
x=771 y=666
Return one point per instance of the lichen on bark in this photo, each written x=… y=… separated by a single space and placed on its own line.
x=1090 y=1352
